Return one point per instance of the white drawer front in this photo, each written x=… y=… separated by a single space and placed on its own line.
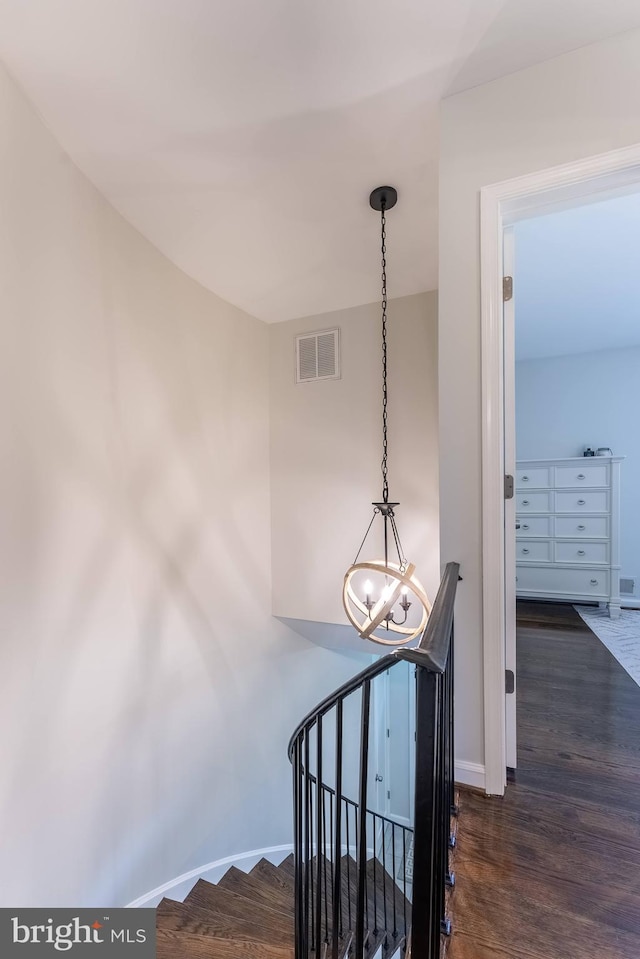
x=579 y=476
x=591 y=501
x=533 y=551
x=578 y=552
x=533 y=526
x=536 y=478
x=582 y=526
x=532 y=502
x=559 y=581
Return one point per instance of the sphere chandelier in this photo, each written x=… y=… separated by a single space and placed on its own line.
x=385 y=619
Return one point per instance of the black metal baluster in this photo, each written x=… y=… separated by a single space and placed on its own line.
x=362 y=832
x=384 y=874
x=308 y=892
x=324 y=864
x=393 y=884
x=452 y=765
x=438 y=868
x=375 y=884
x=312 y=898
x=366 y=880
x=439 y=865
x=348 y=868
x=319 y=817
x=423 y=917
x=337 y=838
x=449 y=770
x=297 y=851
x=332 y=866
x=444 y=786
x=404 y=881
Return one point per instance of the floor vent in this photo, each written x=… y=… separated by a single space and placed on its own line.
x=627 y=586
x=318 y=356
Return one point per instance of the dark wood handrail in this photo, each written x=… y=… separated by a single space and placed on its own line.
x=433 y=648
x=345 y=690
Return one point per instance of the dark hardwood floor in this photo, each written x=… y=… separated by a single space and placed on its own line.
x=552 y=870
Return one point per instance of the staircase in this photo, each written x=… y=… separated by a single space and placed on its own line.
x=360 y=883
x=251 y=915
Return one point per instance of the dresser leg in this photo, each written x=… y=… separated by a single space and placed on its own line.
x=614 y=611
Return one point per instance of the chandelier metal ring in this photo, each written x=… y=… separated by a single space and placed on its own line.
x=381 y=612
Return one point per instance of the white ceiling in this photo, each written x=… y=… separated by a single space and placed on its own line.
x=577 y=280
x=242 y=137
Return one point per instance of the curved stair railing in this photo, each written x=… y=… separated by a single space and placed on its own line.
x=365 y=884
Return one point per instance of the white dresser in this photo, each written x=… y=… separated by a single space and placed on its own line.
x=567 y=546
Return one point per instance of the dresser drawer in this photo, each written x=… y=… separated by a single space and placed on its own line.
x=533 y=502
x=533 y=526
x=567 y=551
x=591 y=501
x=537 y=478
x=579 y=476
x=533 y=551
x=588 y=527
x=562 y=582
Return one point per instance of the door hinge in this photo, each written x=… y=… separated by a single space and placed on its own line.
x=507 y=288
x=509 y=681
x=508 y=486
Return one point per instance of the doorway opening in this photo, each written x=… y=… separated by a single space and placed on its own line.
x=502 y=205
x=575 y=452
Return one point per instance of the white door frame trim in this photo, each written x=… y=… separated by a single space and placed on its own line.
x=571 y=184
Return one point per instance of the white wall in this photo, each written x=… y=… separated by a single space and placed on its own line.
x=577 y=105
x=565 y=403
x=326 y=443
x=147 y=695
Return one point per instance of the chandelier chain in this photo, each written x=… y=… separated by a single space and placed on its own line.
x=385 y=443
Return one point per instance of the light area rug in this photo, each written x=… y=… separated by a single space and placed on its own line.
x=621 y=636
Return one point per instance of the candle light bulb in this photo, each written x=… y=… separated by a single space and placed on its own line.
x=368 y=587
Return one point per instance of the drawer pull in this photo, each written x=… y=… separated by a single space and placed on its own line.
x=525 y=479
x=581 y=502
x=525 y=550
x=581 y=552
x=525 y=502
x=525 y=526
x=581 y=527
x=581 y=476
x=594 y=582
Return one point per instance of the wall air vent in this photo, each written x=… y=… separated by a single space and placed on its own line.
x=627 y=586
x=318 y=356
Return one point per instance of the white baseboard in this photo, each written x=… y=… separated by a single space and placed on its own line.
x=470 y=774
x=213 y=871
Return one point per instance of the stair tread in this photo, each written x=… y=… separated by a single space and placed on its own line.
x=288 y=866
x=194 y=920
x=172 y=944
x=250 y=915
x=374 y=902
x=252 y=887
x=273 y=875
x=206 y=895
x=391 y=886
